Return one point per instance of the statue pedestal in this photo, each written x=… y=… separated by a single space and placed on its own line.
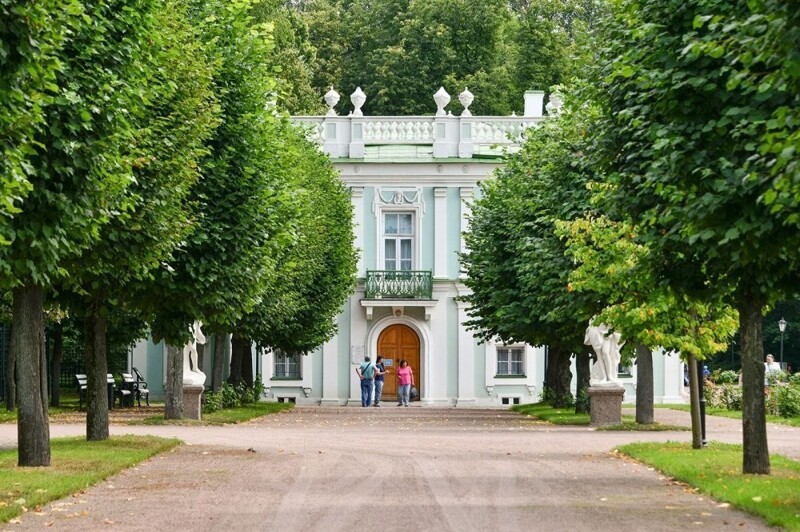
x=191 y=401
x=605 y=404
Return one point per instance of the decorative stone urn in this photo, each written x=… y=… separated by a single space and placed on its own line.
x=442 y=99
x=331 y=99
x=555 y=104
x=358 y=98
x=466 y=99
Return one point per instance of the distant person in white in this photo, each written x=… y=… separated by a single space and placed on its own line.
x=770 y=366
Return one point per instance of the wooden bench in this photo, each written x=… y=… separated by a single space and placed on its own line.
x=80 y=385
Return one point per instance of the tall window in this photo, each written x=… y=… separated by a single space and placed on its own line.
x=287 y=366
x=510 y=360
x=398 y=240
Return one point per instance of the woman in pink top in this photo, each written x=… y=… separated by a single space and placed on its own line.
x=405 y=380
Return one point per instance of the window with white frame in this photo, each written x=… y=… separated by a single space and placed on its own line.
x=511 y=361
x=398 y=241
x=286 y=365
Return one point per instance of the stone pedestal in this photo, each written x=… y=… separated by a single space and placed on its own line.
x=605 y=403
x=191 y=401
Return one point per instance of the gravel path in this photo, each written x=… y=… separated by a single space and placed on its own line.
x=397 y=469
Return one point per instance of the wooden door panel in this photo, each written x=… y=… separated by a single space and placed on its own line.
x=399 y=342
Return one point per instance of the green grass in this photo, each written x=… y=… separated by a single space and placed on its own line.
x=717 y=471
x=567 y=416
x=75 y=465
x=67 y=403
x=737 y=414
x=222 y=417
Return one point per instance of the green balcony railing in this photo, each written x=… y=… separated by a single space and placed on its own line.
x=398 y=284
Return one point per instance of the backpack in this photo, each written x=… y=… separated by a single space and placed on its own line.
x=368 y=371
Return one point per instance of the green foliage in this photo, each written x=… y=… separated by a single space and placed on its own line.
x=231 y=396
x=31 y=37
x=550 y=396
x=725 y=377
x=240 y=204
x=516 y=266
x=400 y=52
x=788 y=400
x=82 y=164
x=723 y=395
x=317 y=272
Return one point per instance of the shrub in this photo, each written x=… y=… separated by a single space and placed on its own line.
x=725 y=377
x=212 y=402
x=787 y=400
x=794 y=379
x=727 y=396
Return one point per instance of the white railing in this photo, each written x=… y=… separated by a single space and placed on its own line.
x=449 y=136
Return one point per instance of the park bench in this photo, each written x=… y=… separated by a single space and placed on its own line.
x=141 y=389
x=80 y=385
x=127 y=390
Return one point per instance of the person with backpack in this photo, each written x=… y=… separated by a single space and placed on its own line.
x=366 y=372
x=380 y=372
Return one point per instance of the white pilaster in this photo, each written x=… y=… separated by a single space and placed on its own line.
x=673 y=377
x=440 y=235
x=466 y=359
x=357 y=194
x=358 y=348
x=330 y=372
x=466 y=194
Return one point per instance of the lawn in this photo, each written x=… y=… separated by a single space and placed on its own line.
x=239 y=414
x=567 y=416
x=717 y=471
x=75 y=465
x=737 y=414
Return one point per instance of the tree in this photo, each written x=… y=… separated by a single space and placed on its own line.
x=228 y=261
x=173 y=121
x=623 y=273
x=516 y=266
x=679 y=138
x=317 y=271
x=80 y=173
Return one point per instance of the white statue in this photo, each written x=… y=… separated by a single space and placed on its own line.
x=191 y=371
x=607 y=347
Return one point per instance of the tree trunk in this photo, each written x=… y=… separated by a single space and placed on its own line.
x=644 y=385
x=97 y=399
x=27 y=342
x=58 y=355
x=11 y=377
x=173 y=403
x=237 y=354
x=694 y=403
x=219 y=361
x=754 y=419
x=247 y=362
x=559 y=377
x=201 y=352
x=582 y=368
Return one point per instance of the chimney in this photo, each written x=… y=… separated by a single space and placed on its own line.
x=534 y=104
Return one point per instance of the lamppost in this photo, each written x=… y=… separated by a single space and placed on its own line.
x=782 y=327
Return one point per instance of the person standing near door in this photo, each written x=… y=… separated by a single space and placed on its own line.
x=380 y=371
x=405 y=380
x=366 y=372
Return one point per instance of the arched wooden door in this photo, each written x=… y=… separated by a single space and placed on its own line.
x=398 y=342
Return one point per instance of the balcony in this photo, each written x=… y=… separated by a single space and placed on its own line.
x=398 y=284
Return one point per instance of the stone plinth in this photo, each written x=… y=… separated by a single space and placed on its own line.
x=605 y=403
x=191 y=401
